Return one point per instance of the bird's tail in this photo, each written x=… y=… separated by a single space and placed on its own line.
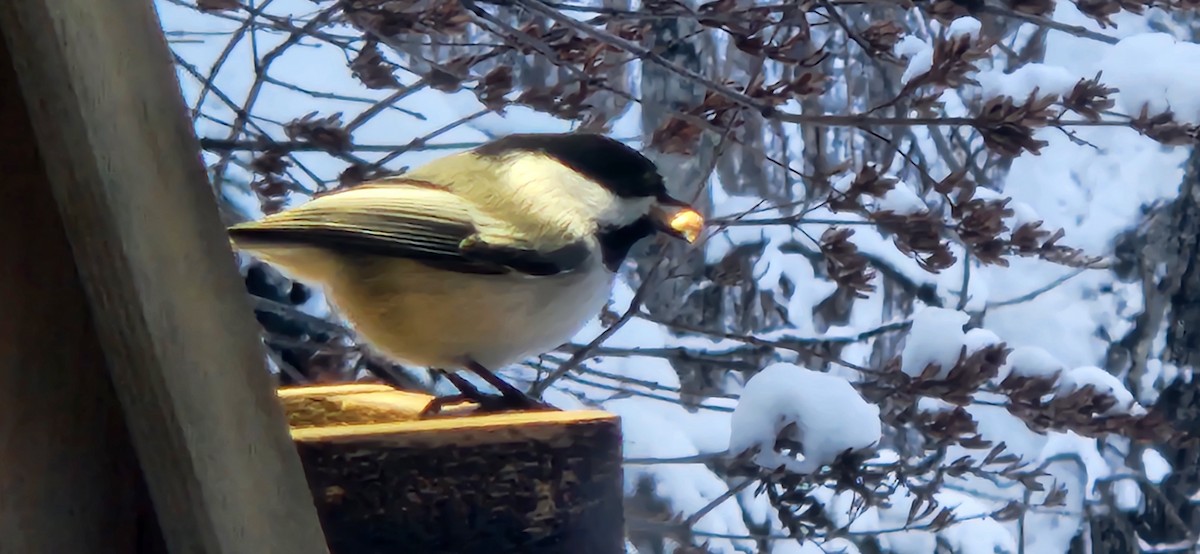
x=298 y=260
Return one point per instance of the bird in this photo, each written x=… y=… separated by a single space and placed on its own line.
x=481 y=258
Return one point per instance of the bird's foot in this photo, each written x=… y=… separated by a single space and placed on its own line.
x=435 y=406
x=510 y=398
x=513 y=398
x=486 y=404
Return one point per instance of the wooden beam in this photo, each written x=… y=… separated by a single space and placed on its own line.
x=515 y=483
x=57 y=404
x=169 y=310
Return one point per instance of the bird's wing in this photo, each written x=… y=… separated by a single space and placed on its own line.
x=413 y=220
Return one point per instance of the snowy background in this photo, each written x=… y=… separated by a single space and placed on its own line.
x=704 y=402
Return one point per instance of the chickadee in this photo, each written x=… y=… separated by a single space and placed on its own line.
x=479 y=259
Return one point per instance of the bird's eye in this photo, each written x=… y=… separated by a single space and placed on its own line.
x=655 y=183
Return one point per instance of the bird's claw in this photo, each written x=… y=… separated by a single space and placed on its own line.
x=486 y=404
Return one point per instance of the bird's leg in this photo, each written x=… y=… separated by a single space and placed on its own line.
x=512 y=397
x=439 y=403
x=464 y=386
x=467 y=393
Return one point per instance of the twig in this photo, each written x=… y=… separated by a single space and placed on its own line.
x=195 y=73
x=262 y=66
x=692 y=519
x=382 y=105
x=694 y=459
x=419 y=143
x=635 y=305
x=206 y=85
x=1049 y=23
x=646 y=54
x=335 y=96
x=1036 y=292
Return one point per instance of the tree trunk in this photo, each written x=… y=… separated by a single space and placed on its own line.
x=1171 y=238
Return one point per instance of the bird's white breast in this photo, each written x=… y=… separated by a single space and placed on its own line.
x=435 y=318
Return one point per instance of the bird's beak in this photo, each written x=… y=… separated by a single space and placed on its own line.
x=676 y=218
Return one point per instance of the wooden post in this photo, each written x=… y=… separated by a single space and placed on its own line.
x=56 y=401
x=163 y=304
x=521 y=483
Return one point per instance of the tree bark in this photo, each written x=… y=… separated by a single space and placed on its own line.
x=1171 y=238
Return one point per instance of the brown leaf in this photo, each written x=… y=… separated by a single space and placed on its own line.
x=1089 y=97
x=1099 y=10
x=326 y=132
x=449 y=77
x=1164 y=129
x=218 y=5
x=494 y=86
x=1010 y=512
x=946 y=11
x=353 y=175
x=270 y=162
x=1056 y=497
x=944 y=519
x=882 y=35
x=845 y=265
x=676 y=136
x=1032 y=7
x=372 y=70
x=953 y=59
x=1008 y=128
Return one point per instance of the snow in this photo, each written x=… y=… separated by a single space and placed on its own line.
x=783 y=394
x=979 y=536
x=937 y=337
x=1157 y=468
x=1030 y=361
x=1023 y=214
x=919 y=54
x=974 y=533
x=795 y=547
x=1127 y=495
x=902 y=200
x=928 y=404
x=842 y=184
x=773 y=264
x=1020 y=83
x=1156 y=70
x=964 y=26
x=1077 y=452
x=1104 y=383
x=978 y=339
x=689 y=487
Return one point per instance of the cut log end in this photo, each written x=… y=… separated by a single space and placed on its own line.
x=385 y=481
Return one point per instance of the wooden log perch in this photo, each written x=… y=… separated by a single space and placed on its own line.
x=535 y=482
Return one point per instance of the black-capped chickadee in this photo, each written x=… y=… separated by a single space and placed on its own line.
x=478 y=259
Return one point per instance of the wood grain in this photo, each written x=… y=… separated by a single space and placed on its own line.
x=515 y=483
x=70 y=481
x=170 y=312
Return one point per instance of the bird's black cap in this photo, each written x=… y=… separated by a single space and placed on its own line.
x=615 y=166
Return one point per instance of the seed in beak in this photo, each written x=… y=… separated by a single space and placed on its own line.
x=687 y=224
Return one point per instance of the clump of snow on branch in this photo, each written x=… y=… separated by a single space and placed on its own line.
x=1030 y=361
x=821 y=412
x=1020 y=83
x=936 y=338
x=1157 y=71
x=1103 y=382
